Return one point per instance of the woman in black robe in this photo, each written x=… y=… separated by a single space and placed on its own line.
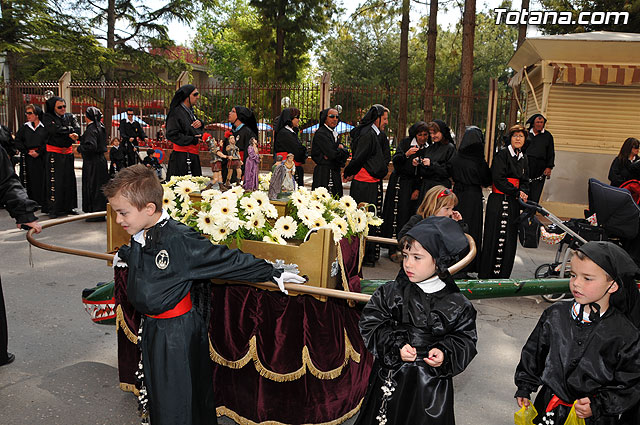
x=433 y=157
x=184 y=130
x=286 y=140
x=626 y=165
x=93 y=145
x=470 y=173
x=31 y=141
x=62 y=132
x=510 y=173
x=328 y=154
x=401 y=200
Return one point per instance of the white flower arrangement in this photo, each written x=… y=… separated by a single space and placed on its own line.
x=235 y=215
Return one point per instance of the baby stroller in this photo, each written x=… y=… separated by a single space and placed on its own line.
x=613 y=215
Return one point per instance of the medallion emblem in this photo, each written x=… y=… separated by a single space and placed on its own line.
x=162 y=260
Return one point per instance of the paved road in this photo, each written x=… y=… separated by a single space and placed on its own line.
x=65 y=368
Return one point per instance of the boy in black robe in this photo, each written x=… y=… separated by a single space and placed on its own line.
x=421 y=330
x=185 y=131
x=165 y=257
x=328 y=154
x=587 y=353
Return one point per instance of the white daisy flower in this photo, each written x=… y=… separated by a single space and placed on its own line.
x=348 y=204
x=220 y=233
x=270 y=211
x=224 y=208
x=308 y=217
x=321 y=193
x=185 y=188
x=339 y=226
x=233 y=223
x=206 y=222
x=316 y=206
x=318 y=222
x=228 y=196
x=210 y=194
x=373 y=220
x=286 y=227
x=299 y=199
x=273 y=238
x=249 y=205
x=168 y=204
x=360 y=221
x=255 y=223
x=237 y=190
x=261 y=198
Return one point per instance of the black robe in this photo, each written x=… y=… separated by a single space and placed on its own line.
x=540 y=153
x=400 y=313
x=621 y=171
x=398 y=206
x=117 y=159
x=599 y=360
x=175 y=351
x=287 y=141
x=243 y=136
x=127 y=131
x=500 y=240
x=436 y=173
x=470 y=172
x=62 y=193
x=181 y=133
x=93 y=145
x=32 y=170
x=329 y=159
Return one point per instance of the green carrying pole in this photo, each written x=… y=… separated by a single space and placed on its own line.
x=495 y=288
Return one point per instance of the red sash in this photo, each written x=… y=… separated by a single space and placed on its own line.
x=284 y=158
x=555 y=402
x=56 y=149
x=515 y=182
x=184 y=306
x=364 y=176
x=189 y=149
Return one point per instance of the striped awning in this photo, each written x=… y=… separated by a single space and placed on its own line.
x=575 y=73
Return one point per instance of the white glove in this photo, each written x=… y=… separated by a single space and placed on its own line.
x=288 y=277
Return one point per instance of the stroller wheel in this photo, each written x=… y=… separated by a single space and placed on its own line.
x=546 y=271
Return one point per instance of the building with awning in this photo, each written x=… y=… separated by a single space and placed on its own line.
x=588 y=86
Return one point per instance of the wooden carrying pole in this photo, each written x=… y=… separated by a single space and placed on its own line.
x=291 y=287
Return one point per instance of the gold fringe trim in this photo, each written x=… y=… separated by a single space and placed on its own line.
x=121 y=323
x=345 y=282
x=361 y=253
x=307 y=363
x=224 y=411
x=130 y=388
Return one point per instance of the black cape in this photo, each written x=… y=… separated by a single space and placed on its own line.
x=117 y=158
x=329 y=159
x=32 y=170
x=249 y=129
x=175 y=352
x=93 y=145
x=180 y=132
x=436 y=173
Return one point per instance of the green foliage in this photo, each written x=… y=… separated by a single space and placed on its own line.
x=577 y=6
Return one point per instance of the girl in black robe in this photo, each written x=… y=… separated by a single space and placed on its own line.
x=286 y=140
x=510 y=173
x=401 y=200
x=184 y=130
x=31 y=141
x=62 y=132
x=626 y=165
x=421 y=333
x=117 y=157
x=245 y=128
x=433 y=157
x=596 y=356
x=470 y=173
x=328 y=154
x=93 y=145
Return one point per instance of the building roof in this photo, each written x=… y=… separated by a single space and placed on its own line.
x=599 y=47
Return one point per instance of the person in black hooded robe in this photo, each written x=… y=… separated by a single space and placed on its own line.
x=31 y=141
x=244 y=128
x=432 y=159
x=421 y=332
x=368 y=166
x=470 y=173
x=62 y=130
x=95 y=173
x=184 y=130
x=588 y=351
x=328 y=154
x=401 y=200
x=540 y=154
x=286 y=140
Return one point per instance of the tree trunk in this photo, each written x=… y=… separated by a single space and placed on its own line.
x=466 y=81
x=432 y=35
x=12 y=66
x=109 y=93
x=279 y=60
x=522 y=34
x=404 y=77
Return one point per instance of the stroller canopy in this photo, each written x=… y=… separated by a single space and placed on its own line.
x=615 y=209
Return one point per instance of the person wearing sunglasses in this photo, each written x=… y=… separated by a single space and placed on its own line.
x=131 y=134
x=62 y=132
x=185 y=131
x=286 y=140
x=31 y=140
x=328 y=153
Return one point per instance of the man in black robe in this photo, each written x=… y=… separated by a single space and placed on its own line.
x=328 y=154
x=286 y=141
x=540 y=154
x=63 y=131
x=185 y=131
x=21 y=208
x=131 y=134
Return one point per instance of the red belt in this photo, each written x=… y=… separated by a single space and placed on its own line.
x=284 y=157
x=56 y=149
x=184 y=306
x=189 y=149
x=515 y=182
x=555 y=402
x=364 y=176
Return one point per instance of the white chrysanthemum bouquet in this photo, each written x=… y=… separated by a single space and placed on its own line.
x=237 y=215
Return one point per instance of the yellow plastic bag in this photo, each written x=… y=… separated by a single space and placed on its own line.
x=573 y=418
x=525 y=415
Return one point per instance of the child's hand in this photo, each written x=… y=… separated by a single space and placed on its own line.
x=455 y=215
x=523 y=402
x=435 y=359
x=583 y=408
x=408 y=353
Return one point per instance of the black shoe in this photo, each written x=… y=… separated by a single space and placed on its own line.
x=10 y=359
x=72 y=212
x=54 y=215
x=95 y=219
